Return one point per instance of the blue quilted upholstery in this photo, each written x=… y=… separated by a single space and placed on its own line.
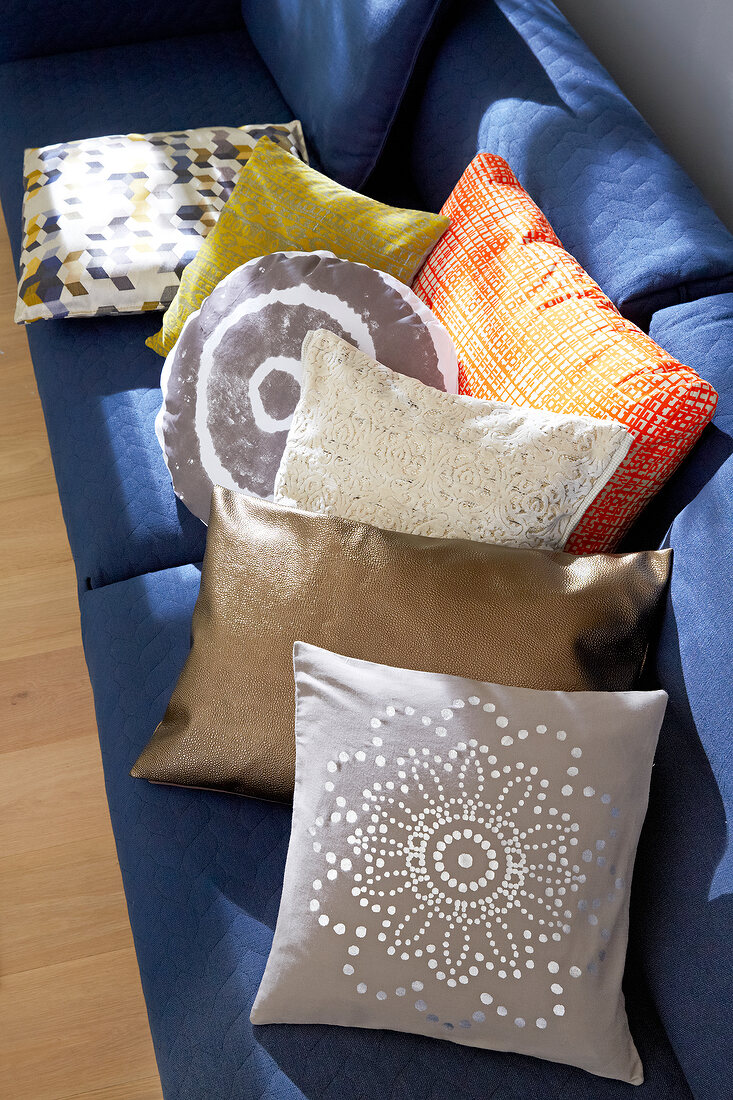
x=30 y=28
x=698 y=333
x=203 y=874
x=97 y=380
x=516 y=80
x=100 y=390
x=685 y=866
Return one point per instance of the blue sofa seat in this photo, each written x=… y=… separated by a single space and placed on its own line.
x=99 y=384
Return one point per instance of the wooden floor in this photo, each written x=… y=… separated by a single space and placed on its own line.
x=72 y=1016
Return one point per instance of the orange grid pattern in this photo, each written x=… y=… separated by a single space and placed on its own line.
x=532 y=328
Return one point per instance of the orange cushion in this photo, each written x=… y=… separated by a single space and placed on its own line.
x=532 y=328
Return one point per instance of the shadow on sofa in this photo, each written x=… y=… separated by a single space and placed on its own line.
x=682 y=897
x=406 y=1067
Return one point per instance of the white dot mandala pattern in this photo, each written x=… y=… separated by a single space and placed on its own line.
x=466 y=864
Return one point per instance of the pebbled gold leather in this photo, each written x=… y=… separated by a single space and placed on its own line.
x=274 y=575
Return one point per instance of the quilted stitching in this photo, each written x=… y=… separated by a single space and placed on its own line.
x=516 y=80
x=702 y=333
x=203 y=874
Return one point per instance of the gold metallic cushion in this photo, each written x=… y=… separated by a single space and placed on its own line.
x=273 y=575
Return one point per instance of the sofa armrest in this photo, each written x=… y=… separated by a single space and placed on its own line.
x=36 y=28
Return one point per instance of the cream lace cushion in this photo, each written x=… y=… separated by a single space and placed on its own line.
x=460 y=861
x=232 y=381
x=109 y=223
x=371 y=445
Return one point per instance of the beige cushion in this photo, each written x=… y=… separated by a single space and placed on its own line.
x=460 y=861
x=109 y=223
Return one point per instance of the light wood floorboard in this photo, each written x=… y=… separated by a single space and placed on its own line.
x=72 y=1018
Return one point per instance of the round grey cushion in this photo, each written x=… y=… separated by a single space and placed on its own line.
x=232 y=381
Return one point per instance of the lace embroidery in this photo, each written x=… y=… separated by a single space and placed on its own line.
x=371 y=445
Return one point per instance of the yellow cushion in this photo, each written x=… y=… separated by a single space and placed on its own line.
x=279 y=204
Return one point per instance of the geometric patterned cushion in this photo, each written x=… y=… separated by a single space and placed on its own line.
x=110 y=223
x=532 y=328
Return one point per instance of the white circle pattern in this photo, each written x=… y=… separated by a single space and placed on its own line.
x=441 y=866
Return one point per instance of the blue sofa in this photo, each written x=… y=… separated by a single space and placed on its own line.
x=202 y=871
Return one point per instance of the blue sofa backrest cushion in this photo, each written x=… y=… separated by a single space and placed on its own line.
x=37 y=28
x=343 y=67
x=513 y=78
x=683 y=887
